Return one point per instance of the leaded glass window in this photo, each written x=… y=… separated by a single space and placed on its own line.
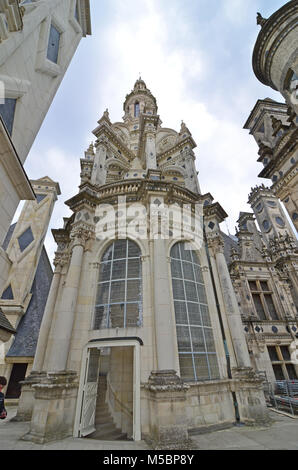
x=196 y=347
x=119 y=290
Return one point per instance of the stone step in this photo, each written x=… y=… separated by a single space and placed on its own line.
x=111 y=435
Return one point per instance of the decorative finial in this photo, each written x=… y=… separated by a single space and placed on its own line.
x=260 y=20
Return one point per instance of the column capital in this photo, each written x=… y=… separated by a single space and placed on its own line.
x=80 y=234
x=61 y=259
x=215 y=245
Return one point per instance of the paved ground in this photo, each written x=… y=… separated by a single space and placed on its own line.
x=281 y=435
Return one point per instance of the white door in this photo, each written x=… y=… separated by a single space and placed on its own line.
x=87 y=425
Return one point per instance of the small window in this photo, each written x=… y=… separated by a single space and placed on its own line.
x=25 y=239
x=40 y=197
x=53 y=45
x=7 y=112
x=280 y=221
x=7 y=294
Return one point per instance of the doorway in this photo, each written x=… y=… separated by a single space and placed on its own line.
x=108 y=405
x=17 y=375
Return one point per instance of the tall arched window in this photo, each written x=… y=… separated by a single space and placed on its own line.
x=137 y=109
x=119 y=290
x=196 y=348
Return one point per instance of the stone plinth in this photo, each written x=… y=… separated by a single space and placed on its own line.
x=250 y=396
x=26 y=400
x=54 y=407
x=167 y=403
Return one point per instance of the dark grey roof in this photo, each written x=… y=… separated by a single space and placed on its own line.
x=230 y=242
x=25 y=341
x=8 y=236
x=5 y=324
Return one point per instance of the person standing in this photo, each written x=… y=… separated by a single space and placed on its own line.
x=3 y=412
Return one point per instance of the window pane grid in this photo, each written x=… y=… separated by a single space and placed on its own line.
x=196 y=346
x=119 y=297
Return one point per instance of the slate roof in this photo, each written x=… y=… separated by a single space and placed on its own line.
x=26 y=337
x=8 y=236
x=5 y=324
x=229 y=243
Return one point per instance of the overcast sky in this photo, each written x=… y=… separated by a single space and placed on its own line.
x=196 y=58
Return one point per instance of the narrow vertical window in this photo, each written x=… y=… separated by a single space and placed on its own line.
x=7 y=112
x=76 y=13
x=53 y=45
x=119 y=291
x=196 y=347
x=137 y=109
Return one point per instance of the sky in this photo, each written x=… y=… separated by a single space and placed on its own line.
x=196 y=58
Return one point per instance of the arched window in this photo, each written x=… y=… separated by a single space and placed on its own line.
x=119 y=290
x=196 y=348
x=137 y=109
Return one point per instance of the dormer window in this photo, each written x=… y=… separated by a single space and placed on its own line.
x=137 y=109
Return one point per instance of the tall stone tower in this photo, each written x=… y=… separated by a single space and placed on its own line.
x=274 y=125
x=142 y=330
x=38 y=40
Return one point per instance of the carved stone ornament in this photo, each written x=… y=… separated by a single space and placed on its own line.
x=81 y=234
x=164 y=381
x=215 y=245
x=61 y=259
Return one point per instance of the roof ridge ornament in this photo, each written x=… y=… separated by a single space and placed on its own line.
x=260 y=20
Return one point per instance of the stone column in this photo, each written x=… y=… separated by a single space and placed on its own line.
x=150 y=151
x=26 y=400
x=165 y=329
x=245 y=383
x=47 y=317
x=62 y=329
x=99 y=172
x=56 y=391
x=166 y=391
x=231 y=305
